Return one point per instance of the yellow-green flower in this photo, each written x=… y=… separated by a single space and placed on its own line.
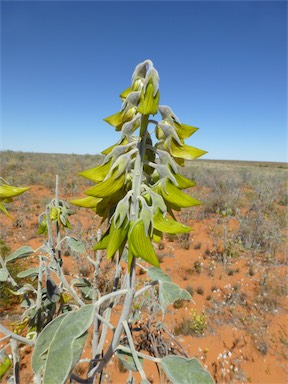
x=7 y=192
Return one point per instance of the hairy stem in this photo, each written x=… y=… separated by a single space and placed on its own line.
x=136 y=190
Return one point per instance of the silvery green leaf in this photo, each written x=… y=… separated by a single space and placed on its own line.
x=75 y=245
x=59 y=345
x=44 y=341
x=87 y=292
x=4 y=274
x=171 y=292
x=24 y=304
x=30 y=272
x=157 y=274
x=19 y=253
x=185 y=371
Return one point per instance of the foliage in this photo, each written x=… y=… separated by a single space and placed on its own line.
x=137 y=187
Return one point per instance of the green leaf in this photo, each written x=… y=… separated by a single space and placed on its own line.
x=29 y=272
x=77 y=348
x=43 y=343
x=167 y=225
x=76 y=245
x=171 y=292
x=19 y=253
x=127 y=360
x=140 y=243
x=4 y=274
x=185 y=371
x=157 y=274
x=57 y=348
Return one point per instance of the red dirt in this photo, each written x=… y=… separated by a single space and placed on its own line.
x=246 y=340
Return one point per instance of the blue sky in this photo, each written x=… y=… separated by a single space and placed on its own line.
x=222 y=67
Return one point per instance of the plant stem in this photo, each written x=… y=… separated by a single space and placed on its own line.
x=16 y=361
x=133 y=351
x=14 y=336
x=136 y=190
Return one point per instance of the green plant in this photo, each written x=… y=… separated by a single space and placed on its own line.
x=136 y=189
x=194 y=325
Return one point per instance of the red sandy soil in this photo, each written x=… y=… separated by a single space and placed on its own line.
x=245 y=341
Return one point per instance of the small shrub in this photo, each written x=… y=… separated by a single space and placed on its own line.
x=284 y=200
x=198 y=245
x=197 y=267
x=200 y=291
x=194 y=325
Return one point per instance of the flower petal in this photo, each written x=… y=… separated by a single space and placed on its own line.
x=140 y=243
x=164 y=224
x=185 y=151
x=97 y=174
x=107 y=187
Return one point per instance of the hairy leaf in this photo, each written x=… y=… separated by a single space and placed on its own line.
x=185 y=371
x=19 y=253
x=57 y=348
x=157 y=274
x=169 y=293
x=76 y=245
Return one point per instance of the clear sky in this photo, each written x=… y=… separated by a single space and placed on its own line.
x=222 y=66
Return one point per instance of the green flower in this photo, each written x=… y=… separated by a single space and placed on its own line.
x=7 y=192
x=139 y=244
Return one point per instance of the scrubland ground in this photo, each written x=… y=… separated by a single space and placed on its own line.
x=233 y=263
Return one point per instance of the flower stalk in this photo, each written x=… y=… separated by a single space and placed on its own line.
x=138 y=185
